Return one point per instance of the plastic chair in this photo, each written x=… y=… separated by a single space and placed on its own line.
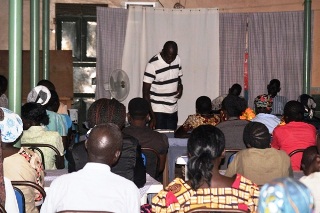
x=29 y=184
x=152 y=161
x=35 y=146
x=20 y=199
x=295 y=152
x=208 y=210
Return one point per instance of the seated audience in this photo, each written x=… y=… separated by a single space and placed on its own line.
x=278 y=101
x=259 y=162
x=231 y=126
x=206 y=187
x=138 y=117
x=203 y=116
x=263 y=108
x=95 y=187
x=285 y=195
x=19 y=164
x=295 y=134
x=35 y=118
x=216 y=103
x=3 y=88
x=310 y=165
x=130 y=164
x=57 y=122
x=309 y=110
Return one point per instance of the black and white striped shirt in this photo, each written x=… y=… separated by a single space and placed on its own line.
x=163 y=78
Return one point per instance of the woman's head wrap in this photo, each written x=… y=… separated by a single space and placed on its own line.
x=39 y=94
x=285 y=195
x=11 y=126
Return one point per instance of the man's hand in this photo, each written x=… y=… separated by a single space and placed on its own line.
x=179 y=91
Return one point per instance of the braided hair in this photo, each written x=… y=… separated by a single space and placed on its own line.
x=206 y=143
x=106 y=110
x=256 y=134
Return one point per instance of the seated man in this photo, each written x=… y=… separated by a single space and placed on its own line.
x=310 y=164
x=95 y=187
x=259 y=162
x=278 y=101
x=263 y=108
x=296 y=134
x=138 y=117
x=203 y=116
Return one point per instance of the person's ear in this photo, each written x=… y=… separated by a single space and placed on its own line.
x=86 y=144
x=116 y=156
x=128 y=117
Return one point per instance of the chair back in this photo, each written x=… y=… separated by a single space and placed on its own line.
x=29 y=184
x=20 y=200
x=216 y=210
x=35 y=146
x=152 y=158
x=295 y=152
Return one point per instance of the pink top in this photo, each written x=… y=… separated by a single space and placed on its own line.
x=292 y=136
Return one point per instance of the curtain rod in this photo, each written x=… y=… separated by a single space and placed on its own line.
x=262 y=6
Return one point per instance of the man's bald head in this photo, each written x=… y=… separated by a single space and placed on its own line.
x=104 y=144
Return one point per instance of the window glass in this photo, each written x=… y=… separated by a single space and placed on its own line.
x=91 y=39
x=82 y=79
x=69 y=38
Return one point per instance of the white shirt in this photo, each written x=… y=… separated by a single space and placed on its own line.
x=93 y=188
x=271 y=121
x=312 y=181
x=11 y=204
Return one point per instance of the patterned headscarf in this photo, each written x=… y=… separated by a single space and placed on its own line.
x=39 y=94
x=285 y=195
x=11 y=126
x=263 y=101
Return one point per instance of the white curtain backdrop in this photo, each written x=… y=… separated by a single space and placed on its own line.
x=196 y=32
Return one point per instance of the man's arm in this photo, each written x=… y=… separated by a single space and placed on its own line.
x=146 y=95
x=179 y=89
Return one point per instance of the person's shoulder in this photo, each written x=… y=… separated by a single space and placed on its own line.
x=154 y=58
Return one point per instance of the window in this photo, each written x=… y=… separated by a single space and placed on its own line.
x=76 y=31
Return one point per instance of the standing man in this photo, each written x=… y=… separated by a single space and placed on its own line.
x=162 y=87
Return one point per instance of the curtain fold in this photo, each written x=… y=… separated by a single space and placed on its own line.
x=111 y=31
x=196 y=32
x=232 y=49
x=276 y=51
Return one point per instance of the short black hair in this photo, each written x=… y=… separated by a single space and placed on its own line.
x=234 y=105
x=203 y=105
x=293 y=111
x=308 y=156
x=138 y=108
x=235 y=89
x=3 y=84
x=170 y=44
x=256 y=134
x=273 y=87
x=34 y=112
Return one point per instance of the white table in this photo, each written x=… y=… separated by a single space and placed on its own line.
x=152 y=186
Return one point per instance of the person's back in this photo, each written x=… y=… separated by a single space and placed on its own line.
x=310 y=164
x=232 y=126
x=130 y=164
x=278 y=101
x=138 y=116
x=259 y=162
x=95 y=187
x=206 y=187
x=295 y=134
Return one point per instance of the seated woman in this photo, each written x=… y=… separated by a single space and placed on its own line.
x=130 y=164
x=206 y=187
x=35 y=118
x=203 y=116
x=20 y=164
